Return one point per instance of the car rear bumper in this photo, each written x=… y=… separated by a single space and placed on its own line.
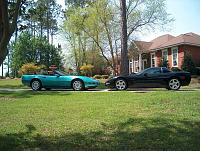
x=186 y=82
x=26 y=82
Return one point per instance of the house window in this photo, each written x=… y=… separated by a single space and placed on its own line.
x=153 y=60
x=175 y=57
x=136 y=66
x=130 y=66
x=144 y=64
x=165 y=55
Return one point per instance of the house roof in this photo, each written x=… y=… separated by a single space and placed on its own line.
x=157 y=42
x=188 y=38
x=167 y=41
x=143 y=45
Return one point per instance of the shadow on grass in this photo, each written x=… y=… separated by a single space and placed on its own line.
x=14 y=86
x=134 y=134
x=30 y=93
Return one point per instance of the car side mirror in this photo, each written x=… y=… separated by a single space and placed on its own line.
x=146 y=74
x=57 y=75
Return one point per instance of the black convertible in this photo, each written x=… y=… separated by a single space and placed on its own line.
x=157 y=77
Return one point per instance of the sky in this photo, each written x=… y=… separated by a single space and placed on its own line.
x=185 y=12
x=187 y=18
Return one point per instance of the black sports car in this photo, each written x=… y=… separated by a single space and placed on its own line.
x=157 y=77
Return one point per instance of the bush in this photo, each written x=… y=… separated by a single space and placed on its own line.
x=164 y=63
x=97 y=77
x=188 y=64
x=175 y=69
x=198 y=70
x=30 y=68
x=86 y=69
x=105 y=76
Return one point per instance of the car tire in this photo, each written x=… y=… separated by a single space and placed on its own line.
x=121 y=84
x=78 y=85
x=36 y=85
x=174 y=84
x=48 y=89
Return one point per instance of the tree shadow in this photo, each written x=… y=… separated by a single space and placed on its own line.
x=134 y=134
x=30 y=93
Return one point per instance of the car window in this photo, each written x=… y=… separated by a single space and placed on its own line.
x=165 y=70
x=152 y=71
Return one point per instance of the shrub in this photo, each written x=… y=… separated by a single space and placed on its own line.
x=164 y=63
x=175 y=69
x=97 y=77
x=105 y=76
x=188 y=64
x=29 y=68
x=7 y=74
x=86 y=69
x=198 y=70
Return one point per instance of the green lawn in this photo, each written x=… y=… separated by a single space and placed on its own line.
x=11 y=83
x=126 y=121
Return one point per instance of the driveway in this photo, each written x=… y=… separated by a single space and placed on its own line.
x=103 y=90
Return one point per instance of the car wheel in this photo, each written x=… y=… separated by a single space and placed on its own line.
x=36 y=85
x=121 y=84
x=48 y=89
x=77 y=85
x=174 y=84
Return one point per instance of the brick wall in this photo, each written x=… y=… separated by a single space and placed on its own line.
x=158 y=57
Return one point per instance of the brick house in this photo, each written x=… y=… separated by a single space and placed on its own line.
x=144 y=54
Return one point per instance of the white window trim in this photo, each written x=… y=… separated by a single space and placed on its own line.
x=154 y=58
x=135 y=68
x=174 y=48
x=165 y=50
x=131 y=62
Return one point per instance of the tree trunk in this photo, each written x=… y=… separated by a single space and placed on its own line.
x=2 y=70
x=48 y=20
x=124 y=48
x=7 y=27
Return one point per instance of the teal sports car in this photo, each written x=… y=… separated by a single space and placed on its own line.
x=59 y=80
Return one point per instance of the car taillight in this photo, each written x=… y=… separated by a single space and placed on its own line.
x=182 y=77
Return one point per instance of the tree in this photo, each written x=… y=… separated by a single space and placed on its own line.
x=188 y=64
x=94 y=23
x=8 y=22
x=29 y=49
x=97 y=26
x=124 y=39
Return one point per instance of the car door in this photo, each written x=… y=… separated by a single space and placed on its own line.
x=148 y=79
x=53 y=81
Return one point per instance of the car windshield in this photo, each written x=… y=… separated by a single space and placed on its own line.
x=143 y=71
x=153 y=70
x=61 y=73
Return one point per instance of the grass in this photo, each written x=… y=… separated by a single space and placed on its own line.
x=11 y=83
x=126 y=121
